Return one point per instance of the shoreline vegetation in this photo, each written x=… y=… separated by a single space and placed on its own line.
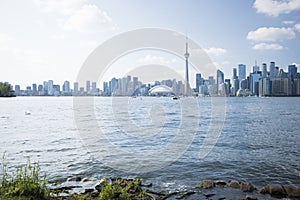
x=6 y=90
x=28 y=184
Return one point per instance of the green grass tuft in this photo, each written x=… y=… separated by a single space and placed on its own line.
x=25 y=182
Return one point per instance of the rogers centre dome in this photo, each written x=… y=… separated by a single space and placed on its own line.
x=161 y=90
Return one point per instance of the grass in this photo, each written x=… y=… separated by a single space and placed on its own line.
x=25 y=183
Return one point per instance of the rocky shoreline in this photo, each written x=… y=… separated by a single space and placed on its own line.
x=136 y=188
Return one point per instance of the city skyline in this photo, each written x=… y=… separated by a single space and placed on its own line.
x=42 y=40
x=261 y=81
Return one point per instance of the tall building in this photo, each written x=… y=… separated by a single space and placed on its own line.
x=235 y=82
x=88 y=87
x=265 y=85
x=186 y=55
x=234 y=74
x=242 y=72
x=198 y=81
x=75 y=91
x=254 y=80
x=34 y=89
x=105 y=89
x=264 y=70
x=17 y=90
x=113 y=85
x=292 y=71
x=40 y=90
x=45 y=83
x=66 y=88
x=272 y=70
x=94 y=88
x=50 y=88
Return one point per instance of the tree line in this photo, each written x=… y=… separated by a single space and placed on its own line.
x=6 y=90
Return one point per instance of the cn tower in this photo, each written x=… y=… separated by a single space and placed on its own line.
x=186 y=55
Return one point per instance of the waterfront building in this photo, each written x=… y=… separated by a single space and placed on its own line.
x=75 y=89
x=40 y=90
x=264 y=70
x=17 y=90
x=281 y=87
x=94 y=88
x=45 y=83
x=244 y=84
x=228 y=87
x=242 y=72
x=292 y=71
x=265 y=86
x=220 y=81
x=199 y=82
x=50 y=88
x=66 y=88
x=254 y=80
x=34 y=89
x=88 y=86
x=272 y=71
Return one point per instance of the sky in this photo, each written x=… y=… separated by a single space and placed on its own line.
x=44 y=40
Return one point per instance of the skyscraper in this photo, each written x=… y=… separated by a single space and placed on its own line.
x=220 y=81
x=88 y=87
x=264 y=70
x=272 y=70
x=292 y=71
x=198 y=81
x=234 y=73
x=75 y=91
x=66 y=87
x=242 y=72
x=50 y=88
x=186 y=55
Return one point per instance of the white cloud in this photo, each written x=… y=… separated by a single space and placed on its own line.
x=288 y=22
x=77 y=15
x=275 y=7
x=89 y=18
x=215 y=51
x=297 y=27
x=150 y=59
x=5 y=38
x=271 y=34
x=65 y=7
x=266 y=46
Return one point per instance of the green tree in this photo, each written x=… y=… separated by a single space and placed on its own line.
x=6 y=90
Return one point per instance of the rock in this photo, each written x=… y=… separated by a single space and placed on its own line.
x=102 y=183
x=250 y=197
x=263 y=190
x=88 y=191
x=234 y=184
x=74 y=179
x=292 y=192
x=220 y=183
x=208 y=195
x=246 y=187
x=207 y=184
x=276 y=190
x=185 y=195
x=86 y=180
x=146 y=184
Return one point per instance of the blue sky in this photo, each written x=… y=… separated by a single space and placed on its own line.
x=50 y=39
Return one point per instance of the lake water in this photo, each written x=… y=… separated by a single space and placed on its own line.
x=173 y=144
